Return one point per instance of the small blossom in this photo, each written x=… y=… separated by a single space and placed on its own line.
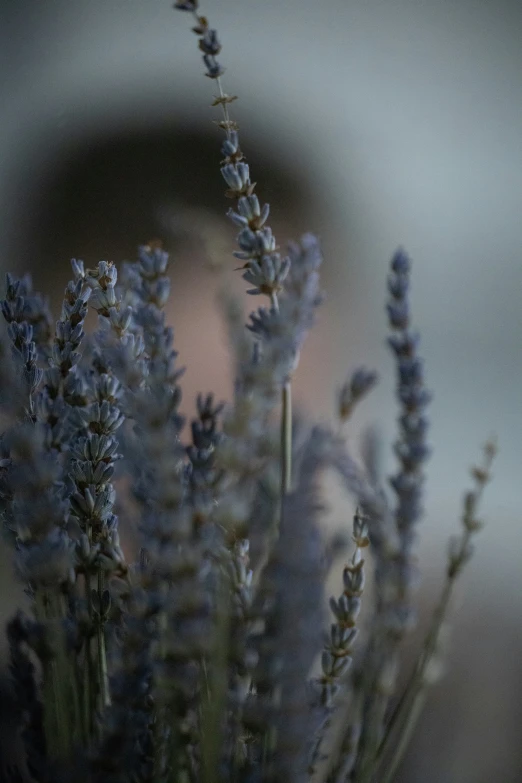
x=214 y=69
x=268 y=275
x=209 y=43
x=356 y=387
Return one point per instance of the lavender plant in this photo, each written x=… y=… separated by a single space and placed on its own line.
x=193 y=658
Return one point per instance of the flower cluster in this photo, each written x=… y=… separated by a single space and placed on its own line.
x=191 y=658
x=411 y=448
x=263 y=266
x=336 y=657
x=95 y=448
x=64 y=385
x=28 y=328
x=291 y=586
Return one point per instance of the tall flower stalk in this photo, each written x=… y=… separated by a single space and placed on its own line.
x=394 y=574
x=406 y=714
x=263 y=267
x=35 y=517
x=338 y=650
x=92 y=467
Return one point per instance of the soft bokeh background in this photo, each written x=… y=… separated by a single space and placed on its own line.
x=373 y=124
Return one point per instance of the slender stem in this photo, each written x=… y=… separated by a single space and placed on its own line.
x=50 y=718
x=286 y=439
x=88 y=667
x=408 y=710
x=58 y=720
x=286 y=426
x=374 y=719
x=86 y=693
x=102 y=655
x=88 y=663
x=215 y=698
x=404 y=738
x=347 y=746
x=161 y=744
x=220 y=88
x=69 y=683
x=224 y=106
x=61 y=723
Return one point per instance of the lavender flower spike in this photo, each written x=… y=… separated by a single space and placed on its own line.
x=411 y=448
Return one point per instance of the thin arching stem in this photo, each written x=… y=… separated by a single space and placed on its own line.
x=286 y=439
x=286 y=426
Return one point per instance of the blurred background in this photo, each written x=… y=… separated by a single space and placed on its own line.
x=373 y=124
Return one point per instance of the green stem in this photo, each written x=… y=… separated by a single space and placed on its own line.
x=286 y=440
x=89 y=675
x=215 y=698
x=102 y=655
x=405 y=737
x=374 y=719
x=50 y=718
x=88 y=668
x=62 y=726
x=286 y=428
x=408 y=710
x=58 y=720
x=161 y=744
x=347 y=746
